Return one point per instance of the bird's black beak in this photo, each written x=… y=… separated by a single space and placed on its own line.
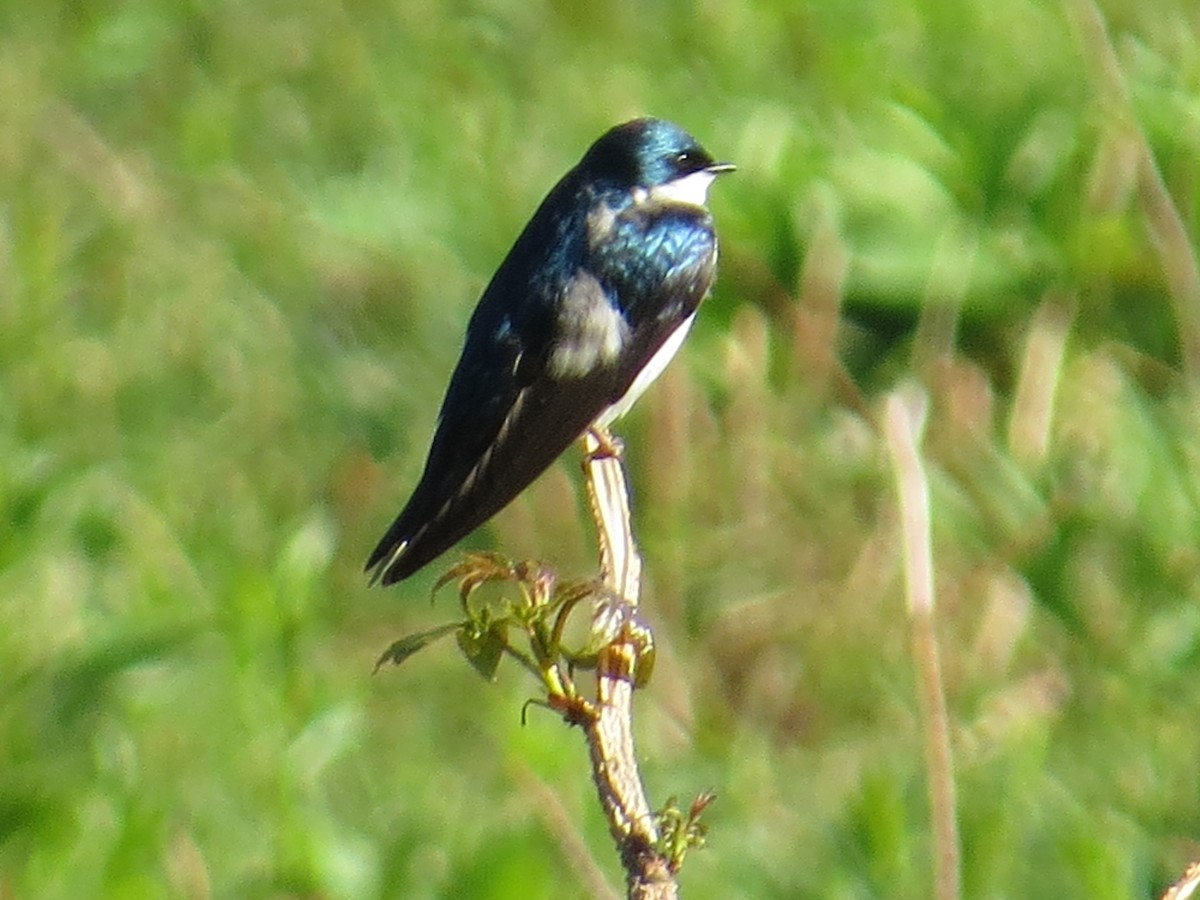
x=721 y=168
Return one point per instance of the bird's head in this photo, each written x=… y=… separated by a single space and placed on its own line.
x=654 y=156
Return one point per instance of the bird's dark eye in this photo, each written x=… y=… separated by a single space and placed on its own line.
x=692 y=160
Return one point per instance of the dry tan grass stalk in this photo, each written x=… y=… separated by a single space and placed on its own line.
x=904 y=418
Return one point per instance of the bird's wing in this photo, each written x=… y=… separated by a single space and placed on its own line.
x=507 y=416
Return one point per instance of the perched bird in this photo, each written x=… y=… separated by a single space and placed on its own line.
x=592 y=301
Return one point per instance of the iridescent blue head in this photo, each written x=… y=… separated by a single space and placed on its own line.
x=656 y=156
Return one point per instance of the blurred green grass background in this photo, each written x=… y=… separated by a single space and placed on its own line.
x=238 y=246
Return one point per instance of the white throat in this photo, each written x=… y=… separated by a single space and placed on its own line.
x=691 y=188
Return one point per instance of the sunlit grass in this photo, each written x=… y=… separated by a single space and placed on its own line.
x=238 y=245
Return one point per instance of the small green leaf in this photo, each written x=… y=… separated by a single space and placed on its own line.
x=407 y=646
x=483 y=649
x=681 y=832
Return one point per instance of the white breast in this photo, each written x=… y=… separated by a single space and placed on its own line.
x=649 y=372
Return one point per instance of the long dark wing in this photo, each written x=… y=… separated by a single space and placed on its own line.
x=513 y=406
x=504 y=421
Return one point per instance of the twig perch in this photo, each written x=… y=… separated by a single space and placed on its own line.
x=652 y=845
x=609 y=731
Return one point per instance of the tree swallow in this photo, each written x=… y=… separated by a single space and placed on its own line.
x=589 y=306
